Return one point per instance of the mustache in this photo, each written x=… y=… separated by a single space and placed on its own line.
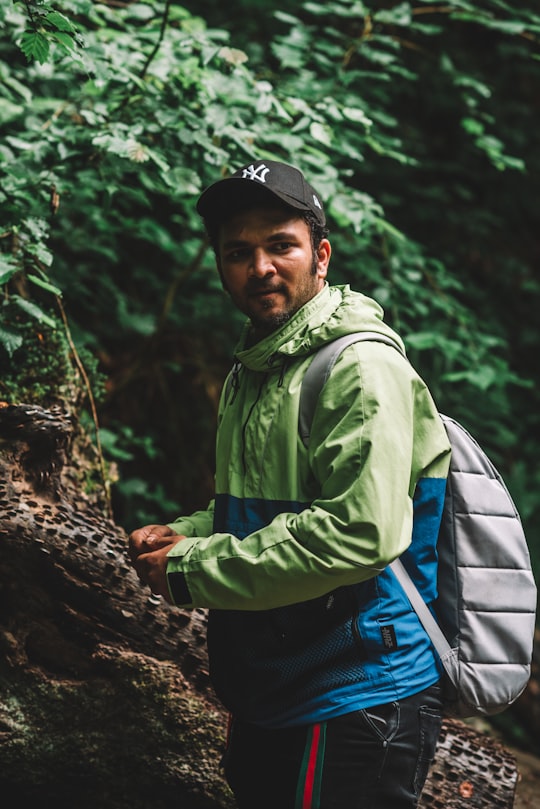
x=258 y=285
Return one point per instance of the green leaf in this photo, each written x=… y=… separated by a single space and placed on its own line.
x=9 y=111
x=429 y=340
x=288 y=56
x=37 y=227
x=233 y=56
x=19 y=143
x=44 y=284
x=472 y=126
x=321 y=133
x=357 y=115
x=482 y=377
x=59 y=21
x=289 y=19
x=510 y=27
x=350 y=9
x=7 y=269
x=35 y=45
x=10 y=341
x=65 y=40
x=110 y=443
x=399 y=15
x=42 y=253
x=141 y=11
x=386 y=227
x=34 y=311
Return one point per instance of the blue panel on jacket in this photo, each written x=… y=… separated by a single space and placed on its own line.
x=244 y=516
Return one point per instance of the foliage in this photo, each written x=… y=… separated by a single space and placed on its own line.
x=31 y=334
x=412 y=119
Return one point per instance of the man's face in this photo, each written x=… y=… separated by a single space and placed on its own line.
x=268 y=265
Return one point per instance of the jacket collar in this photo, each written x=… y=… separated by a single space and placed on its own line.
x=294 y=338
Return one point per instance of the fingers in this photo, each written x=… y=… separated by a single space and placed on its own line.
x=151 y=568
x=147 y=539
x=147 y=550
x=150 y=533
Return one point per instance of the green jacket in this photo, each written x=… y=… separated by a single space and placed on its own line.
x=286 y=554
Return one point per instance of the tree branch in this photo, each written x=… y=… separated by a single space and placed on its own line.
x=157 y=46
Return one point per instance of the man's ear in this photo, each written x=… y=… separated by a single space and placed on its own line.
x=324 y=251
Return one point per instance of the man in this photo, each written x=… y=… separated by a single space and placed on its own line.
x=331 y=682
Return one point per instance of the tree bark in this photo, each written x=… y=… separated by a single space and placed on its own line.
x=105 y=699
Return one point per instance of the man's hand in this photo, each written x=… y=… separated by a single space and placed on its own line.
x=148 y=549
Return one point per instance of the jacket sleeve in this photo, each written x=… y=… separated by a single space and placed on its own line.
x=363 y=456
x=199 y=523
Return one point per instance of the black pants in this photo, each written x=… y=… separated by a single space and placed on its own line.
x=376 y=758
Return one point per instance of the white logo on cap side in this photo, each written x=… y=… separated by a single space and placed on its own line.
x=316 y=202
x=259 y=173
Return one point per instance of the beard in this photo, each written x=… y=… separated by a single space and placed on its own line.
x=264 y=321
x=271 y=322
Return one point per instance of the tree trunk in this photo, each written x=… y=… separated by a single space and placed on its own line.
x=105 y=700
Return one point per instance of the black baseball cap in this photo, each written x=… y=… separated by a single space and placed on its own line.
x=257 y=179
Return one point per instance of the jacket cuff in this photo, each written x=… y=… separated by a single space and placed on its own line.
x=178 y=588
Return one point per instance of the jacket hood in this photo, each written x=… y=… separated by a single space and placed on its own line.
x=333 y=312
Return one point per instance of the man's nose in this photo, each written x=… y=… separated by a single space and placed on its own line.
x=261 y=263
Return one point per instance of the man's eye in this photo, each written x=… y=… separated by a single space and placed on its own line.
x=236 y=255
x=281 y=246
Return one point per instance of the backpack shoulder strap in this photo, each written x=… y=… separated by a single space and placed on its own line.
x=436 y=635
x=314 y=380
x=320 y=369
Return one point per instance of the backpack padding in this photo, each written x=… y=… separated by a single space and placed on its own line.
x=487 y=592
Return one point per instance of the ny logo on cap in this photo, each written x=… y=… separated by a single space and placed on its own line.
x=259 y=173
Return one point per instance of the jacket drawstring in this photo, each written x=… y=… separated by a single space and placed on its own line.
x=282 y=373
x=234 y=380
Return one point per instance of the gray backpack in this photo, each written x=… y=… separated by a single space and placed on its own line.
x=486 y=607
